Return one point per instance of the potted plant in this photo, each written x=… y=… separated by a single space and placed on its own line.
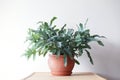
x=64 y=45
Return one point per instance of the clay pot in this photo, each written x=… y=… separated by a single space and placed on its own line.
x=57 y=67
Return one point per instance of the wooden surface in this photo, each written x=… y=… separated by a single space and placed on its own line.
x=74 y=76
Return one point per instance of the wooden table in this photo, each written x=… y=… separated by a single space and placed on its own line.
x=74 y=76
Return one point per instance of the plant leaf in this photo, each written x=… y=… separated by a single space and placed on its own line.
x=58 y=53
x=70 y=32
x=87 y=46
x=65 y=60
x=81 y=27
x=89 y=56
x=86 y=22
x=76 y=61
x=69 y=53
x=100 y=43
x=98 y=36
x=52 y=20
x=80 y=52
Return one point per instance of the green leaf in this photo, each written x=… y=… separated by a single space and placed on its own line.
x=80 y=52
x=65 y=60
x=89 y=56
x=81 y=27
x=69 y=52
x=98 y=36
x=58 y=53
x=87 y=46
x=52 y=20
x=35 y=36
x=34 y=55
x=86 y=22
x=86 y=31
x=92 y=39
x=59 y=44
x=54 y=50
x=30 y=52
x=78 y=43
x=76 y=61
x=53 y=27
x=63 y=26
x=70 y=32
x=100 y=43
x=62 y=29
x=45 y=52
x=46 y=26
x=40 y=22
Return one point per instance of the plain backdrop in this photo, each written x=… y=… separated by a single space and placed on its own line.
x=16 y=16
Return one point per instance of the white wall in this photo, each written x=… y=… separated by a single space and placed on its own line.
x=17 y=15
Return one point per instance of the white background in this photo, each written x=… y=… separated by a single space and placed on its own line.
x=16 y=16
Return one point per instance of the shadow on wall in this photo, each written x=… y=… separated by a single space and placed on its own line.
x=107 y=60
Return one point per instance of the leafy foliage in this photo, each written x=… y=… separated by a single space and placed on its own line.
x=47 y=38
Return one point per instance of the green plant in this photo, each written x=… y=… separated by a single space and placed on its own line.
x=48 y=38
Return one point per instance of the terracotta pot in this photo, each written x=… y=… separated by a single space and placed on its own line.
x=57 y=67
